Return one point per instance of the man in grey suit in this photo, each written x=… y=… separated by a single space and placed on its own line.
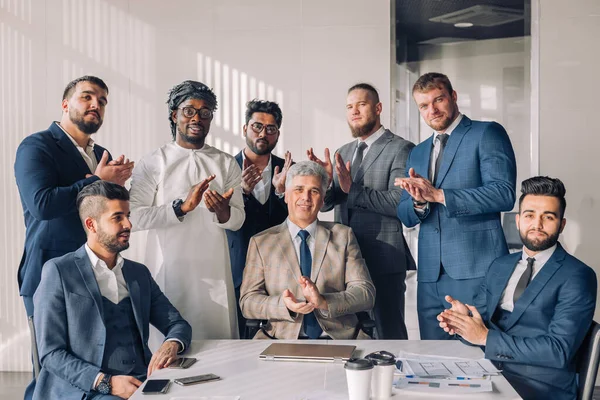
x=365 y=199
x=93 y=309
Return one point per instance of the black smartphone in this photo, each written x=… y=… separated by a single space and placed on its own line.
x=183 y=362
x=156 y=386
x=193 y=380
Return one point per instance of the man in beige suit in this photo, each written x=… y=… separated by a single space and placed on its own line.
x=307 y=277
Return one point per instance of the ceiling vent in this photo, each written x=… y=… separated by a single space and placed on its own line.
x=482 y=15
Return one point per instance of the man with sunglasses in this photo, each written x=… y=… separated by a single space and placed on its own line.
x=263 y=185
x=187 y=193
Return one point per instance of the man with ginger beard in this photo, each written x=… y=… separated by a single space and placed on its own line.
x=263 y=185
x=187 y=193
x=534 y=307
x=364 y=198
x=458 y=182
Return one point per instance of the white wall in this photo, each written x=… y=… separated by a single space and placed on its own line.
x=302 y=53
x=569 y=137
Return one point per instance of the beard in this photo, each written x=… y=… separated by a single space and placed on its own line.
x=89 y=127
x=261 y=152
x=360 y=131
x=111 y=243
x=194 y=139
x=442 y=125
x=539 y=244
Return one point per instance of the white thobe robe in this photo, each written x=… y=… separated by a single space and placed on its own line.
x=189 y=259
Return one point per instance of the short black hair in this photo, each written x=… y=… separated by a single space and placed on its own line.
x=264 y=106
x=189 y=90
x=70 y=88
x=432 y=80
x=369 y=88
x=544 y=186
x=91 y=200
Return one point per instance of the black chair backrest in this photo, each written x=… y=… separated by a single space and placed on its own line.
x=588 y=357
x=511 y=233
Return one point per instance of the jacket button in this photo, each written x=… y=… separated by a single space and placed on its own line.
x=436 y=230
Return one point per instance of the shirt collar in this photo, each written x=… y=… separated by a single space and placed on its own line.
x=267 y=168
x=371 y=139
x=90 y=140
x=99 y=264
x=452 y=126
x=294 y=229
x=542 y=257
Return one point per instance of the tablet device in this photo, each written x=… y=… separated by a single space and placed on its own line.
x=307 y=352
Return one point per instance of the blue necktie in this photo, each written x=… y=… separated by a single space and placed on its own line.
x=311 y=326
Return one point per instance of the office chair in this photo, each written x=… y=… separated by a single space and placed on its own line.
x=511 y=233
x=587 y=360
x=365 y=323
x=34 y=348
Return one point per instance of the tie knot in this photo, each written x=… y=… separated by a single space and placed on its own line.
x=530 y=261
x=362 y=146
x=443 y=138
x=303 y=235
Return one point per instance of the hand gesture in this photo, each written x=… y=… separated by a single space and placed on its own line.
x=124 y=386
x=311 y=293
x=166 y=354
x=219 y=204
x=195 y=195
x=299 y=307
x=251 y=175
x=116 y=171
x=457 y=307
x=279 y=176
x=325 y=164
x=472 y=329
x=343 y=172
x=420 y=188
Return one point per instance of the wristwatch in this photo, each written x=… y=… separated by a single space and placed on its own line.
x=419 y=203
x=104 y=385
x=177 y=208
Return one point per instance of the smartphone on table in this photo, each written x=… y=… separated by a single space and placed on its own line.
x=193 y=380
x=183 y=362
x=156 y=386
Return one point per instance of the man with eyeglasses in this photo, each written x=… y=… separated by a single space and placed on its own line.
x=187 y=193
x=263 y=185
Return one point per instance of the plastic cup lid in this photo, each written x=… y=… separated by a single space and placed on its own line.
x=358 y=364
x=381 y=358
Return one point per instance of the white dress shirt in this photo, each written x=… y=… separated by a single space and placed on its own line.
x=541 y=258
x=111 y=282
x=262 y=189
x=87 y=154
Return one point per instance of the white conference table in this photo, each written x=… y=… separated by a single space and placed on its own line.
x=244 y=375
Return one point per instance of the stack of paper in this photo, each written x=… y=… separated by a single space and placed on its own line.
x=458 y=375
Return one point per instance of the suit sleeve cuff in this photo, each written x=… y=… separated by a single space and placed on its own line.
x=180 y=343
x=97 y=381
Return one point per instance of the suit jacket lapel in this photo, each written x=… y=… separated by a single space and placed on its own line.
x=133 y=286
x=536 y=285
x=451 y=147
x=422 y=161
x=240 y=160
x=500 y=281
x=83 y=263
x=284 y=241
x=372 y=153
x=69 y=148
x=322 y=236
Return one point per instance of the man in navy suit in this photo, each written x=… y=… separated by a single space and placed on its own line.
x=534 y=307
x=263 y=185
x=51 y=167
x=459 y=180
x=93 y=309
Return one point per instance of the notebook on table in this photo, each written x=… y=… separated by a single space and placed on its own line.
x=307 y=352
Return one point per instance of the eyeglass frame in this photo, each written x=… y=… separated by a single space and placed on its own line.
x=197 y=111
x=264 y=128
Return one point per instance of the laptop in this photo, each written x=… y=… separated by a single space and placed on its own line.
x=307 y=352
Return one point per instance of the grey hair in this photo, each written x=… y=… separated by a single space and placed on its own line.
x=307 y=168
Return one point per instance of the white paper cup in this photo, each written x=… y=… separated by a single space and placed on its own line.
x=358 y=376
x=383 y=374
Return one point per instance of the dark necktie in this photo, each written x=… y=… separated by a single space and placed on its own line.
x=442 y=138
x=311 y=326
x=358 y=159
x=524 y=280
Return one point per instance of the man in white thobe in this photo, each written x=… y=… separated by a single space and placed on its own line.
x=186 y=193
